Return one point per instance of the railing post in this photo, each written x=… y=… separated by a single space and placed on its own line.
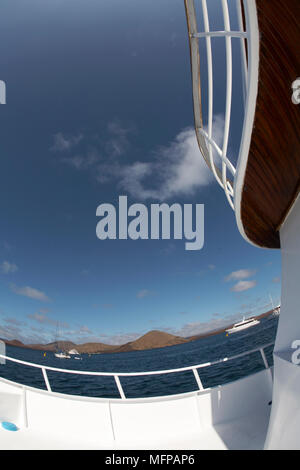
x=121 y=392
x=2 y=352
x=116 y=375
x=262 y=352
x=25 y=417
x=198 y=380
x=264 y=358
x=46 y=379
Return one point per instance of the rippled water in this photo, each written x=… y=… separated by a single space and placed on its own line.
x=183 y=355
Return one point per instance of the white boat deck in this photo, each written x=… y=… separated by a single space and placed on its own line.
x=236 y=435
x=232 y=416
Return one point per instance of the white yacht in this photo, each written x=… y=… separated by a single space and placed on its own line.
x=276 y=311
x=62 y=355
x=261 y=410
x=243 y=325
x=73 y=352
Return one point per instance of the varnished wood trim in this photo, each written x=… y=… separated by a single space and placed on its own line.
x=272 y=176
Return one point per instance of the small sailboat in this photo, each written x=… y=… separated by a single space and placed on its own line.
x=275 y=310
x=59 y=352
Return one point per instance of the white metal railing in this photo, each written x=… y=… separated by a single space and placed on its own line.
x=117 y=375
x=207 y=144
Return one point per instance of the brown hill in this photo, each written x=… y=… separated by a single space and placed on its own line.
x=153 y=339
x=90 y=348
x=94 y=348
x=63 y=345
x=14 y=342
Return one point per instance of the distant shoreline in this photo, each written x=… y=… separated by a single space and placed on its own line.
x=151 y=340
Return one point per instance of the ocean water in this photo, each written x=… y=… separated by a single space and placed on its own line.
x=196 y=352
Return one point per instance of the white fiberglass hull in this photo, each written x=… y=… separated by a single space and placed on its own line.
x=62 y=356
x=231 y=416
x=236 y=329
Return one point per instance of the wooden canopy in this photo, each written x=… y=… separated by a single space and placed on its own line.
x=272 y=177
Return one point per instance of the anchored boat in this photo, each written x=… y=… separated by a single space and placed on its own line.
x=62 y=355
x=59 y=353
x=243 y=325
x=260 y=411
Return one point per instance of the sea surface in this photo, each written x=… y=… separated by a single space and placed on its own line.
x=196 y=352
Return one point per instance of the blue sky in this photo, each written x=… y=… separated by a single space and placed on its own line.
x=99 y=104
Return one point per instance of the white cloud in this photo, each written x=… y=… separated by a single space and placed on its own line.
x=240 y=274
x=63 y=143
x=143 y=293
x=198 y=328
x=7 y=267
x=119 y=339
x=83 y=330
x=84 y=161
x=13 y=321
x=118 y=142
x=41 y=317
x=11 y=331
x=107 y=306
x=27 y=336
x=80 y=334
x=30 y=292
x=177 y=169
x=115 y=145
x=183 y=168
x=243 y=285
x=44 y=310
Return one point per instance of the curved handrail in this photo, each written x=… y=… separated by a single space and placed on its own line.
x=207 y=144
x=116 y=375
